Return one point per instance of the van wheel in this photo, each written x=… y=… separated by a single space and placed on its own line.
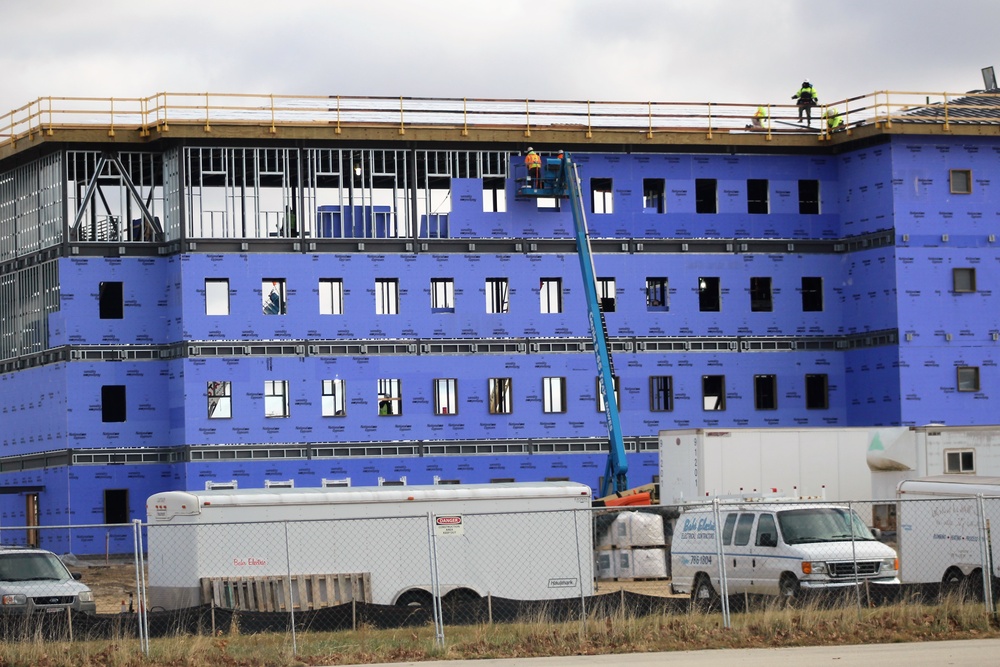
x=703 y=596
x=972 y=587
x=788 y=587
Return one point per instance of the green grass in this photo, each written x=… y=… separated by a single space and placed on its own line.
x=769 y=627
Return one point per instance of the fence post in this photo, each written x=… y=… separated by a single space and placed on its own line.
x=291 y=600
x=435 y=587
x=985 y=553
x=723 y=583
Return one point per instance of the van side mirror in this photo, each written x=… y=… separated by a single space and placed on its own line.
x=767 y=540
x=877 y=532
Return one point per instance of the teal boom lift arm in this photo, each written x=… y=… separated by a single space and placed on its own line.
x=559 y=178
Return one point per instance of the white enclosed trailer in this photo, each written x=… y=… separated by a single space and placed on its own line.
x=935 y=449
x=518 y=540
x=828 y=463
x=943 y=521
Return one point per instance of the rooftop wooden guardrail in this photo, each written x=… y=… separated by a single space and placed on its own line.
x=46 y=115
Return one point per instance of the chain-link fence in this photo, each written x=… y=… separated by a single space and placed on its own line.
x=543 y=566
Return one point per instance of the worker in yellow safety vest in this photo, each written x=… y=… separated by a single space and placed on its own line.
x=807 y=99
x=533 y=161
x=834 y=121
x=759 y=119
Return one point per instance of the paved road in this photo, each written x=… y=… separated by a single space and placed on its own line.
x=966 y=653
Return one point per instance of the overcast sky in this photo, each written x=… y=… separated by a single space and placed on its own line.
x=745 y=51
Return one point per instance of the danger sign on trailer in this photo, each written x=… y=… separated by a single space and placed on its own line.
x=450 y=524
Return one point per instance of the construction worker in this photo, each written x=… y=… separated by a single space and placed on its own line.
x=834 y=121
x=533 y=161
x=759 y=119
x=807 y=99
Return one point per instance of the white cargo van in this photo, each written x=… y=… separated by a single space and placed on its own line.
x=776 y=549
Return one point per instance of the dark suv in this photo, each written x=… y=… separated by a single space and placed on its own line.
x=35 y=581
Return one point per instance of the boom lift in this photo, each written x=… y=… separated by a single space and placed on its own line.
x=559 y=178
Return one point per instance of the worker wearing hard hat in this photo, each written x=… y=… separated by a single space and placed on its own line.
x=533 y=161
x=807 y=99
x=834 y=121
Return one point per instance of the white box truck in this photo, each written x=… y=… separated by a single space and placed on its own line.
x=515 y=540
x=817 y=463
x=942 y=528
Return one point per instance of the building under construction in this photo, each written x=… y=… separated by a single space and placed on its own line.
x=203 y=290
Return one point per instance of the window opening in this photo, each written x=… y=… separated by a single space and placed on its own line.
x=494 y=195
x=606 y=294
x=757 y=196
x=760 y=295
x=442 y=295
x=550 y=293
x=765 y=392
x=331 y=296
x=445 y=396
x=744 y=526
x=808 y=197
x=968 y=378
x=276 y=398
x=390 y=397
x=113 y=403
x=654 y=195
x=334 y=403
x=713 y=391
x=111 y=305
x=601 y=196
x=657 y=294
x=553 y=394
x=386 y=296
x=273 y=290
x=963 y=279
x=960 y=181
x=497 y=296
x=812 y=294
x=706 y=198
x=661 y=393
x=600 y=394
x=709 y=298
x=817 y=391
x=220 y=399
x=501 y=399
x=216 y=296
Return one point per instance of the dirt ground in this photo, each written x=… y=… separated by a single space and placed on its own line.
x=111 y=581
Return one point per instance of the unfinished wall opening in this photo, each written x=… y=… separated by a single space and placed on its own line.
x=216 y=296
x=960 y=181
x=757 y=196
x=550 y=295
x=765 y=392
x=334 y=401
x=705 y=195
x=661 y=393
x=654 y=195
x=812 y=294
x=713 y=392
x=275 y=301
x=761 y=295
x=445 y=396
x=116 y=508
x=390 y=397
x=111 y=302
x=709 y=294
x=553 y=394
x=600 y=394
x=442 y=295
x=601 y=196
x=497 y=296
x=963 y=279
x=331 y=296
x=817 y=391
x=386 y=296
x=494 y=195
x=113 y=403
x=808 y=196
x=501 y=396
x=606 y=294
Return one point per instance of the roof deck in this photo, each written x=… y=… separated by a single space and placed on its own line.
x=575 y=123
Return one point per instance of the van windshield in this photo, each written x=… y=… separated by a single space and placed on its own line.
x=822 y=524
